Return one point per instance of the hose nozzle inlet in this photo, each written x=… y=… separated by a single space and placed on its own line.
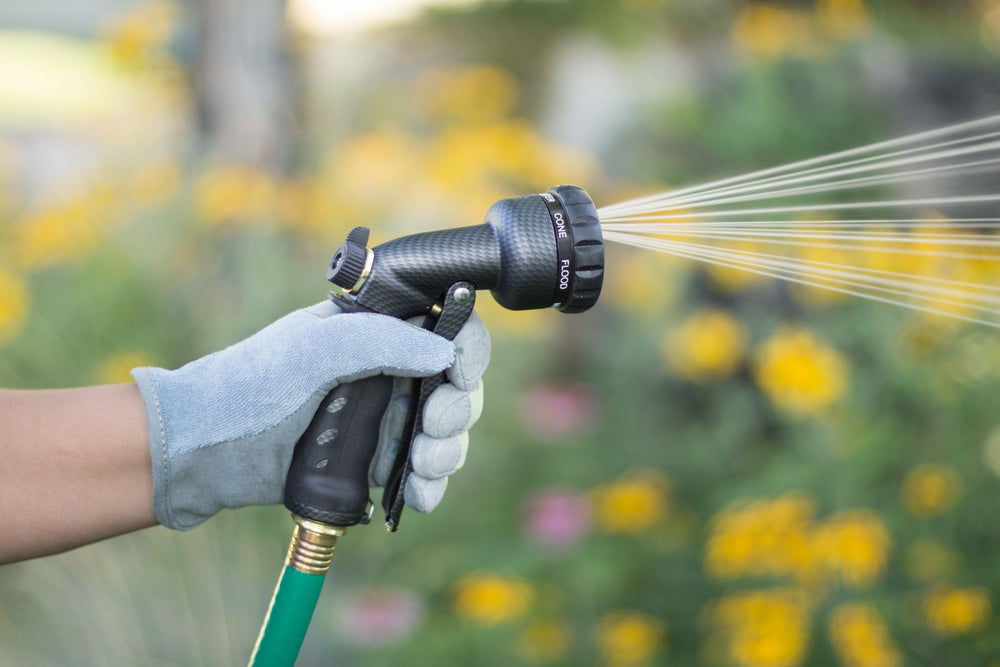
x=312 y=545
x=536 y=251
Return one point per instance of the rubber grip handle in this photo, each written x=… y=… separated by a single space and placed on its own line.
x=328 y=477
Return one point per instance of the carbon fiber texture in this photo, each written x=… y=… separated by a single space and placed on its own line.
x=514 y=254
x=412 y=273
x=528 y=273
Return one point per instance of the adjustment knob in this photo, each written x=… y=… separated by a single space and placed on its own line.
x=348 y=262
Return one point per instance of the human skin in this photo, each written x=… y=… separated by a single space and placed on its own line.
x=74 y=468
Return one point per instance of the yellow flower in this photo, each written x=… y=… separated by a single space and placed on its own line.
x=800 y=374
x=977 y=267
x=930 y=490
x=819 y=260
x=876 y=254
x=13 y=304
x=544 y=641
x=453 y=173
x=934 y=263
x=956 y=611
x=364 y=168
x=929 y=561
x=854 y=546
x=66 y=232
x=763 y=537
x=133 y=38
x=488 y=598
x=768 y=628
x=860 y=637
x=732 y=279
x=707 y=346
x=234 y=193
x=779 y=537
x=629 y=637
x=631 y=504
x=488 y=157
x=478 y=93
x=925 y=254
x=843 y=19
x=772 y=32
x=116 y=368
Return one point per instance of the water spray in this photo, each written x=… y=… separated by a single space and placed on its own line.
x=537 y=251
x=901 y=251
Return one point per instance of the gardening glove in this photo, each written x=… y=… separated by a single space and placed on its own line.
x=222 y=428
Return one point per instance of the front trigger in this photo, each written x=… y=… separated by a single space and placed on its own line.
x=446 y=321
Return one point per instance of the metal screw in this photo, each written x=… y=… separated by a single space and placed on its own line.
x=462 y=295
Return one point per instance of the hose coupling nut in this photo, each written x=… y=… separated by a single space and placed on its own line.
x=311 y=549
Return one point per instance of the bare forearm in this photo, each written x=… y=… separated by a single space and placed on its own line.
x=75 y=468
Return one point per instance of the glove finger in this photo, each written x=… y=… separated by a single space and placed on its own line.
x=449 y=410
x=472 y=354
x=423 y=495
x=438 y=457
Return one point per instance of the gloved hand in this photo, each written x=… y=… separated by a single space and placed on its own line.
x=222 y=428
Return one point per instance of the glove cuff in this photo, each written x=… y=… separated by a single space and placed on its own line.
x=191 y=486
x=145 y=380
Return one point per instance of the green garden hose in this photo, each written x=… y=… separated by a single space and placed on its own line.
x=295 y=596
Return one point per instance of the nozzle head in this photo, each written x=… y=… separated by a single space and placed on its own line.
x=551 y=249
x=581 y=278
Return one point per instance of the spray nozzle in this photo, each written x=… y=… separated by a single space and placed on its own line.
x=532 y=252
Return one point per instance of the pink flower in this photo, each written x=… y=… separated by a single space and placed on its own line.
x=557 y=518
x=379 y=616
x=560 y=411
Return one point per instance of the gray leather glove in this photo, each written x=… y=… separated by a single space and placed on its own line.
x=222 y=428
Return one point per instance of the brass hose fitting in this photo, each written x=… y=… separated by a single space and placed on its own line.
x=311 y=549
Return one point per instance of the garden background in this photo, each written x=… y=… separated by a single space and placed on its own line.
x=707 y=468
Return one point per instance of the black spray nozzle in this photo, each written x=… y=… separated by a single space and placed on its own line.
x=531 y=252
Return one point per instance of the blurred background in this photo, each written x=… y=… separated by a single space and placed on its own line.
x=707 y=468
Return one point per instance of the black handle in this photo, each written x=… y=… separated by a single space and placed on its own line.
x=328 y=478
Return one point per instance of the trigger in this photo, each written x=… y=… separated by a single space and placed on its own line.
x=456 y=308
